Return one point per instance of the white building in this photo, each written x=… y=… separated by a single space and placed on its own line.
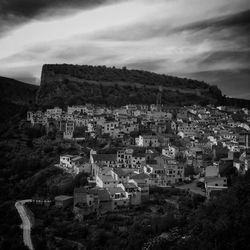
x=124 y=158
x=148 y=141
x=119 y=198
x=105 y=180
x=138 y=159
x=56 y=111
x=72 y=164
x=110 y=127
x=79 y=109
x=170 y=151
x=188 y=129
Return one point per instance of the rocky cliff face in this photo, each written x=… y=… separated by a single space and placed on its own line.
x=63 y=84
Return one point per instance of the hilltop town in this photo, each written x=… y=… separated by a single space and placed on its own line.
x=82 y=168
x=139 y=146
x=93 y=174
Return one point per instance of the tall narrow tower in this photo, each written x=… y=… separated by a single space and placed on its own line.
x=158 y=99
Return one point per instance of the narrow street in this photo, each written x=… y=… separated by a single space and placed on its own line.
x=26 y=224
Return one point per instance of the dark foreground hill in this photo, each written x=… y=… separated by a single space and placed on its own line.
x=17 y=92
x=15 y=98
x=63 y=84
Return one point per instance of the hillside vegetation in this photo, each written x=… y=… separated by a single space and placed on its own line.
x=15 y=98
x=103 y=73
x=17 y=92
x=73 y=84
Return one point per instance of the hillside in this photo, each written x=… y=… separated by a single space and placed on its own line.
x=236 y=102
x=63 y=84
x=17 y=92
x=15 y=98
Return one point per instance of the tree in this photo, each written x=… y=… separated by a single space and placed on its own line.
x=216 y=225
x=79 y=131
x=81 y=179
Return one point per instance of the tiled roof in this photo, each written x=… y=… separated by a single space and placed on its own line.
x=129 y=185
x=104 y=157
x=115 y=190
x=107 y=178
x=120 y=172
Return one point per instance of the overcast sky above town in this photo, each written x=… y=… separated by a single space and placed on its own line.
x=200 y=39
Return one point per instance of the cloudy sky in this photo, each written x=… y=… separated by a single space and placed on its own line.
x=200 y=39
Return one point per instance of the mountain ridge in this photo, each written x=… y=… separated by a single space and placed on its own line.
x=61 y=85
x=68 y=84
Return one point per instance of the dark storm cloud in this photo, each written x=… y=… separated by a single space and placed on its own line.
x=228 y=37
x=242 y=57
x=16 y=12
x=234 y=28
x=235 y=23
x=31 y=8
x=227 y=63
x=239 y=20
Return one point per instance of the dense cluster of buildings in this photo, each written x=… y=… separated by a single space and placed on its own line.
x=158 y=146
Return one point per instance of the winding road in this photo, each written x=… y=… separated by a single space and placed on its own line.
x=26 y=224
